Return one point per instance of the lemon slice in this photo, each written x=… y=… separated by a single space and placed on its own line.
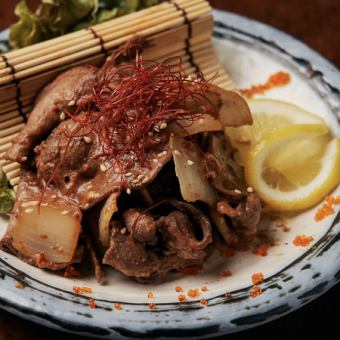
x=268 y=116
x=295 y=166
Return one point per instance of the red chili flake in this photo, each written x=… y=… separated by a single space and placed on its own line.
x=204 y=289
x=150 y=295
x=179 y=289
x=181 y=298
x=302 y=240
x=228 y=295
x=82 y=290
x=282 y=224
x=118 y=306
x=71 y=272
x=19 y=286
x=327 y=208
x=92 y=303
x=204 y=302
x=152 y=306
x=193 y=270
x=275 y=80
x=255 y=291
x=229 y=252
x=286 y=229
x=226 y=273
x=261 y=250
x=257 y=278
x=40 y=260
x=193 y=293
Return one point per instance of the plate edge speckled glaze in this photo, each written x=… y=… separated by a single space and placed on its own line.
x=225 y=315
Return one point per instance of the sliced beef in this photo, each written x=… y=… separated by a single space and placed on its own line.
x=179 y=229
x=141 y=226
x=75 y=165
x=69 y=90
x=130 y=256
x=98 y=271
x=242 y=208
x=134 y=252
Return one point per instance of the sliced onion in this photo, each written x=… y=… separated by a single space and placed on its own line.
x=106 y=213
x=50 y=232
x=187 y=127
x=233 y=109
x=194 y=185
x=219 y=221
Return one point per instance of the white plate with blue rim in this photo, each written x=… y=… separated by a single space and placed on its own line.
x=294 y=276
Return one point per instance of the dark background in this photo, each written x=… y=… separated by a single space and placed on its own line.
x=317 y=23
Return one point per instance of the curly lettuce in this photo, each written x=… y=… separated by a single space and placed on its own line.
x=57 y=17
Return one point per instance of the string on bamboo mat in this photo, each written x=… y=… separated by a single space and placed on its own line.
x=101 y=41
x=187 y=40
x=17 y=87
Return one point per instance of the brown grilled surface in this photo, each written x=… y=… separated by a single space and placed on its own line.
x=316 y=22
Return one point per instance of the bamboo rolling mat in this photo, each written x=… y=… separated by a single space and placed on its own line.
x=173 y=28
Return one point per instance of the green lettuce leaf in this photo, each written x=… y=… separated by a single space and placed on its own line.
x=57 y=17
x=27 y=30
x=7 y=195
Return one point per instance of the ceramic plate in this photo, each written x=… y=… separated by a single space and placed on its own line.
x=250 y=52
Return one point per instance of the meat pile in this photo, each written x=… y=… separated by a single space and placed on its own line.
x=145 y=247
x=62 y=178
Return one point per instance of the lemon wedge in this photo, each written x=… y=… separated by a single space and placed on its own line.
x=268 y=116
x=294 y=167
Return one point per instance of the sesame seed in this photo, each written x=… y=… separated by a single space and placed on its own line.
x=64 y=212
x=87 y=139
x=135 y=181
x=250 y=189
x=201 y=121
x=156 y=128
x=62 y=116
x=71 y=103
x=102 y=167
x=128 y=191
x=238 y=191
x=155 y=160
x=140 y=177
x=24 y=159
x=28 y=210
x=157 y=140
x=128 y=174
x=44 y=204
x=190 y=162
x=29 y=203
x=163 y=125
x=94 y=194
x=161 y=154
x=123 y=231
x=145 y=180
